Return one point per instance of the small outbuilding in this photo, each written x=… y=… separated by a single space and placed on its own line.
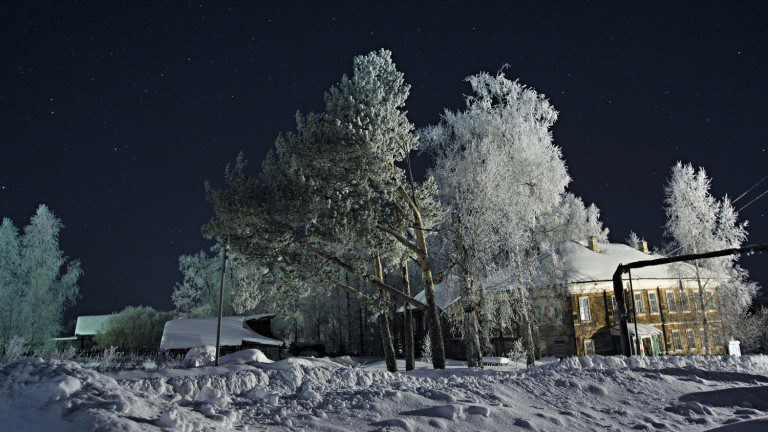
x=237 y=333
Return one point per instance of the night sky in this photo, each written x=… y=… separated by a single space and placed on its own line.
x=115 y=113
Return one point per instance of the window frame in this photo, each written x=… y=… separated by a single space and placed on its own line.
x=710 y=295
x=677 y=340
x=641 y=309
x=690 y=335
x=671 y=305
x=589 y=347
x=653 y=304
x=685 y=305
x=584 y=317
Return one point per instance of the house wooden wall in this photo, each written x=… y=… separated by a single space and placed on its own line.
x=676 y=312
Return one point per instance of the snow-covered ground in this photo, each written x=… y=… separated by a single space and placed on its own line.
x=576 y=394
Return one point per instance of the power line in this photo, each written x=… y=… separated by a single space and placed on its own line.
x=749 y=190
x=747 y=205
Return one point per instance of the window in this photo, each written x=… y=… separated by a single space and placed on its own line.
x=710 y=300
x=557 y=311
x=584 y=312
x=639 y=306
x=685 y=305
x=691 y=339
x=696 y=301
x=653 y=304
x=676 y=340
x=671 y=302
x=716 y=338
x=614 y=306
x=589 y=347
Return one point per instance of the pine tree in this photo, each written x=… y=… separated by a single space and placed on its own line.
x=10 y=281
x=333 y=196
x=48 y=277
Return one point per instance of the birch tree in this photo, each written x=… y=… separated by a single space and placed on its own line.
x=696 y=223
x=503 y=182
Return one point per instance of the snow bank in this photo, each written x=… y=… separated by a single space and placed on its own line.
x=587 y=393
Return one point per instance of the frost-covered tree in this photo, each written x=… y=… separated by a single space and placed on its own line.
x=37 y=282
x=134 y=327
x=197 y=295
x=10 y=281
x=696 y=223
x=503 y=182
x=333 y=197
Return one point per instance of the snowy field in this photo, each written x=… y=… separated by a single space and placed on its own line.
x=577 y=394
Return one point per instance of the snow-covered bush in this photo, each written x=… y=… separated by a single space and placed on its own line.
x=68 y=353
x=426 y=349
x=517 y=353
x=199 y=356
x=108 y=358
x=13 y=349
x=133 y=327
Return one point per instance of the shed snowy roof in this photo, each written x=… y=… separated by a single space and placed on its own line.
x=89 y=325
x=190 y=333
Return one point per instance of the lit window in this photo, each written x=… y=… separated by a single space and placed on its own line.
x=685 y=305
x=676 y=340
x=691 y=339
x=584 y=312
x=639 y=306
x=653 y=304
x=671 y=301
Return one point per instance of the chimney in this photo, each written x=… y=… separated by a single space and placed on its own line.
x=592 y=244
x=642 y=246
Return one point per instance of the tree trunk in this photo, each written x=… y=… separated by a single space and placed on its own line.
x=386 y=342
x=474 y=356
x=471 y=338
x=349 y=323
x=433 y=314
x=386 y=335
x=410 y=357
x=528 y=340
x=702 y=304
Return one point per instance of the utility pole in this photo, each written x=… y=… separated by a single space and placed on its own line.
x=221 y=300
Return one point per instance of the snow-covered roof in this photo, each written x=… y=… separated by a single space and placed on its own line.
x=89 y=325
x=190 y=333
x=584 y=266
x=588 y=266
x=260 y=317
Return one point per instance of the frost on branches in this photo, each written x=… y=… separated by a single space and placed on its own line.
x=37 y=282
x=334 y=198
x=502 y=181
x=698 y=223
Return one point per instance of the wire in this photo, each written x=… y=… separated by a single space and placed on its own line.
x=747 y=204
x=750 y=189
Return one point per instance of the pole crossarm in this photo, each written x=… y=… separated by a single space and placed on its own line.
x=618 y=288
